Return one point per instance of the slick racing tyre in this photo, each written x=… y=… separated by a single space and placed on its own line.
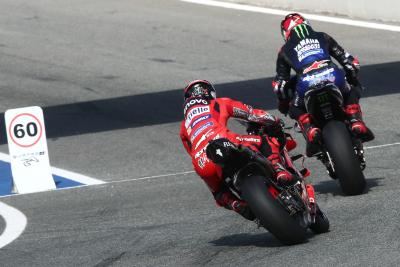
x=272 y=215
x=345 y=162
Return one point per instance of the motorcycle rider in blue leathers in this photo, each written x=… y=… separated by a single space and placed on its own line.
x=309 y=54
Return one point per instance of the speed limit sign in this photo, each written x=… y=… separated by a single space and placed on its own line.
x=27 y=145
x=25 y=130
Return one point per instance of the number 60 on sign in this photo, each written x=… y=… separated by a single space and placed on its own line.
x=27 y=144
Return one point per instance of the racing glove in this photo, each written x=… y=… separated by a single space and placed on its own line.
x=352 y=67
x=277 y=130
x=282 y=90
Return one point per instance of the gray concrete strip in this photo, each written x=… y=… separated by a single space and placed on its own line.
x=360 y=9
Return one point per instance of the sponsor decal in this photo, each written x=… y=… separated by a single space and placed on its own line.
x=202 y=118
x=195 y=101
x=262 y=118
x=323 y=98
x=201 y=164
x=203 y=160
x=310 y=53
x=317 y=78
x=201 y=151
x=204 y=137
x=227 y=144
x=195 y=112
x=301 y=31
x=316 y=65
x=240 y=113
x=200 y=141
x=308 y=47
x=201 y=129
x=248 y=139
x=216 y=137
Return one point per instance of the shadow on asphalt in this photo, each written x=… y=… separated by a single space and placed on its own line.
x=245 y=239
x=332 y=186
x=257 y=240
x=166 y=107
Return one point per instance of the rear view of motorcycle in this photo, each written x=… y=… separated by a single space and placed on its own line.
x=340 y=151
x=286 y=211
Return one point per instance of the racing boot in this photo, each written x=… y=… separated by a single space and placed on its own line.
x=311 y=133
x=227 y=200
x=358 y=127
x=283 y=176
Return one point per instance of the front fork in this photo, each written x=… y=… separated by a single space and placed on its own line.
x=359 y=151
x=358 y=148
x=325 y=158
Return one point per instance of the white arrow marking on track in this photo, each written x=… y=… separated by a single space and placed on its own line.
x=15 y=224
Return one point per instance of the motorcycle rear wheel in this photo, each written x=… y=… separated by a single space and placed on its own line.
x=346 y=164
x=270 y=212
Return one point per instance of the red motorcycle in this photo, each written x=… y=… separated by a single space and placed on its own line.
x=285 y=211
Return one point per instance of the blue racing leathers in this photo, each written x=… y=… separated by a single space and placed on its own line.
x=309 y=54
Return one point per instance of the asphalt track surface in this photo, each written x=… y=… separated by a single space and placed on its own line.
x=109 y=76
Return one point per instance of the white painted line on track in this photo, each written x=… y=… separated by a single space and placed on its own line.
x=379 y=146
x=343 y=21
x=190 y=172
x=152 y=177
x=15 y=224
x=91 y=181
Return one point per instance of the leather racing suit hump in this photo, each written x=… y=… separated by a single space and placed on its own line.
x=206 y=120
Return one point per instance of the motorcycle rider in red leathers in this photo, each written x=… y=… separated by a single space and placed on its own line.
x=309 y=53
x=205 y=119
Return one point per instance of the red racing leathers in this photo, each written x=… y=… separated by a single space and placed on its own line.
x=205 y=120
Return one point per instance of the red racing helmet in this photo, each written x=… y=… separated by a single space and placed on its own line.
x=199 y=88
x=289 y=22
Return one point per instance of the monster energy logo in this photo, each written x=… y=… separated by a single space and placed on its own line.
x=323 y=98
x=301 y=31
